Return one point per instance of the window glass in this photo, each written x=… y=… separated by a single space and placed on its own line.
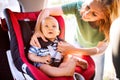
x=59 y=2
x=12 y=4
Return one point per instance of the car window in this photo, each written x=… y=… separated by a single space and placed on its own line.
x=12 y=4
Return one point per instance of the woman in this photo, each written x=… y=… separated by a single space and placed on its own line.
x=95 y=20
x=93 y=26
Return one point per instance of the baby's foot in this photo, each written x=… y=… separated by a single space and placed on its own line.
x=81 y=62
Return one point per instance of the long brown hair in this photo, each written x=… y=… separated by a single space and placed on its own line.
x=115 y=9
x=104 y=24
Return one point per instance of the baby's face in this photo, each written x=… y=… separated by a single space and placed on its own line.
x=50 y=28
x=92 y=11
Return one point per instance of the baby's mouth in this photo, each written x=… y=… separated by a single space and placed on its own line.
x=50 y=33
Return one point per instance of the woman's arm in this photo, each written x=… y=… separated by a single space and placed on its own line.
x=44 y=13
x=67 y=48
x=47 y=12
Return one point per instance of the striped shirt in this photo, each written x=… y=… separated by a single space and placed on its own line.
x=49 y=50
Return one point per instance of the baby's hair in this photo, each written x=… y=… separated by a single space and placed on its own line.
x=50 y=17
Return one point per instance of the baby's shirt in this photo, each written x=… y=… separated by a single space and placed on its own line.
x=50 y=49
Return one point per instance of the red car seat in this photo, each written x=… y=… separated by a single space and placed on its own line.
x=21 y=27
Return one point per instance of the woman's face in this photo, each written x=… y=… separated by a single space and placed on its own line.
x=92 y=11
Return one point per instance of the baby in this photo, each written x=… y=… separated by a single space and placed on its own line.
x=47 y=58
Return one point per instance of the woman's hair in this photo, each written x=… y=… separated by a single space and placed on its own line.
x=115 y=9
x=104 y=24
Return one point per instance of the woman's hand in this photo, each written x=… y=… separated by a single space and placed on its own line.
x=64 y=46
x=34 y=41
x=66 y=49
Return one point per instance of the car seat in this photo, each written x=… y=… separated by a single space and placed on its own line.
x=21 y=27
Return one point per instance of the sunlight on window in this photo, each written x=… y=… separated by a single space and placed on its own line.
x=12 y=4
x=60 y=2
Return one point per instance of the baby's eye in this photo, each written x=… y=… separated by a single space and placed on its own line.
x=46 y=25
x=54 y=26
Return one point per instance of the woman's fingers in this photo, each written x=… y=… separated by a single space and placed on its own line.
x=63 y=46
x=44 y=39
x=34 y=41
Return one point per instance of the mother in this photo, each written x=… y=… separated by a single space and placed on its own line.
x=93 y=26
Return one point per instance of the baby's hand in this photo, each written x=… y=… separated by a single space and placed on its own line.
x=46 y=59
